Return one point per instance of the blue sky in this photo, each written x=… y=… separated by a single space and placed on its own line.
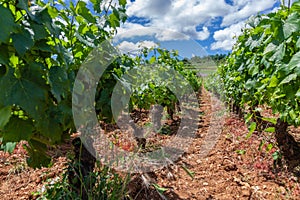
x=211 y=24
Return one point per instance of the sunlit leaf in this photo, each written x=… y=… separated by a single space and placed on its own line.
x=288 y=79
x=161 y=190
x=270 y=130
x=251 y=129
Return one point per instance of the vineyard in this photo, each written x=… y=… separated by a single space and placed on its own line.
x=263 y=73
x=60 y=78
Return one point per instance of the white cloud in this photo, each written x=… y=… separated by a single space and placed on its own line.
x=181 y=16
x=133 y=48
x=225 y=38
x=243 y=9
x=130 y=30
x=181 y=19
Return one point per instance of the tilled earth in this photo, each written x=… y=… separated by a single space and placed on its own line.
x=220 y=164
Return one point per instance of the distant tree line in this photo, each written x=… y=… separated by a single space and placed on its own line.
x=200 y=60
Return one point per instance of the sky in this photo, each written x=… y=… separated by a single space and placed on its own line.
x=191 y=26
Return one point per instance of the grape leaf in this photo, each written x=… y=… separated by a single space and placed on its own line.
x=39 y=31
x=292 y=25
x=272 y=120
x=288 y=79
x=49 y=125
x=38 y=158
x=270 y=129
x=17 y=129
x=295 y=61
x=84 y=12
x=7 y=24
x=273 y=82
x=22 y=41
x=58 y=80
x=5 y=114
x=298 y=93
x=114 y=20
x=296 y=7
x=122 y=2
x=24 y=93
x=4 y=58
x=8 y=147
x=251 y=129
x=298 y=43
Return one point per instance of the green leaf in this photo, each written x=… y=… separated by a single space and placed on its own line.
x=43 y=17
x=113 y=20
x=292 y=114
x=8 y=147
x=292 y=25
x=152 y=60
x=50 y=125
x=269 y=147
x=22 y=41
x=3 y=70
x=23 y=4
x=295 y=7
x=248 y=117
x=58 y=80
x=298 y=93
x=298 y=43
x=53 y=12
x=270 y=48
x=273 y=82
x=295 y=61
x=39 y=31
x=43 y=46
x=262 y=143
x=24 y=93
x=270 y=130
x=272 y=120
x=84 y=12
x=4 y=57
x=161 y=190
x=288 y=79
x=251 y=129
x=122 y=2
x=250 y=84
x=189 y=172
x=279 y=53
x=34 y=72
x=5 y=114
x=7 y=24
x=276 y=155
x=38 y=158
x=17 y=129
x=241 y=152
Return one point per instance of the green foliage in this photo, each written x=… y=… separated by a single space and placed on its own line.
x=144 y=94
x=7 y=147
x=214 y=83
x=251 y=128
x=108 y=186
x=159 y=189
x=42 y=46
x=161 y=93
x=264 y=67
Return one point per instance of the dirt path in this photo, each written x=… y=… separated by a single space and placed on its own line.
x=233 y=169
x=223 y=163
